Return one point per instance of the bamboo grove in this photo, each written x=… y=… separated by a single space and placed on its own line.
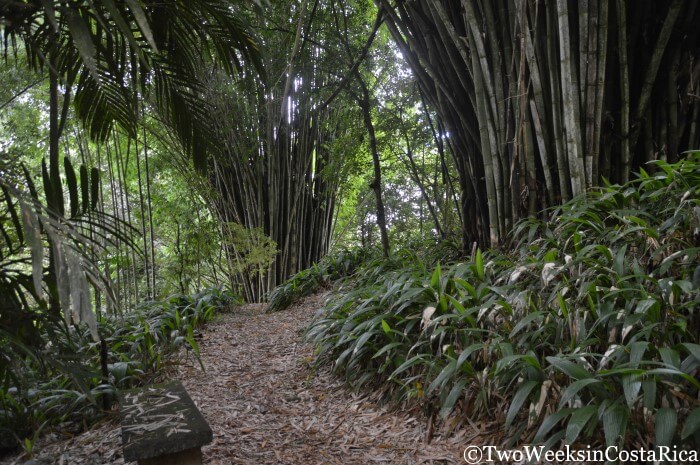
x=536 y=101
x=541 y=100
x=277 y=172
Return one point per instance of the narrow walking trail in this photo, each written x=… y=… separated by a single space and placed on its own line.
x=267 y=404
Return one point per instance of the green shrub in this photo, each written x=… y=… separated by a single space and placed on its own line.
x=588 y=330
x=331 y=268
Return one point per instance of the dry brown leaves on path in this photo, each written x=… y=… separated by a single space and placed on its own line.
x=267 y=405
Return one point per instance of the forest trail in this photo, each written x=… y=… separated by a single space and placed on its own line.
x=267 y=405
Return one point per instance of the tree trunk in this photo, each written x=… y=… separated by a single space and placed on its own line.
x=376 y=184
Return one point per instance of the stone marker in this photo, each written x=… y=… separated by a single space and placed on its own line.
x=162 y=426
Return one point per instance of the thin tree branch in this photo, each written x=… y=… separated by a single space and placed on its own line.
x=351 y=73
x=21 y=92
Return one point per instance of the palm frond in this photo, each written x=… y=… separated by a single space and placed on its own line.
x=120 y=51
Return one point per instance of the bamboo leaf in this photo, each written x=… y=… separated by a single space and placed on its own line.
x=446 y=372
x=615 y=423
x=458 y=305
x=637 y=350
x=573 y=389
x=435 y=278
x=479 y=263
x=578 y=421
x=407 y=364
x=361 y=341
x=631 y=384
x=562 y=305
x=692 y=424
x=665 y=426
x=619 y=263
x=387 y=348
x=524 y=322
x=428 y=313
x=572 y=369
x=386 y=327
x=694 y=349
x=550 y=422
x=670 y=357
x=452 y=398
x=518 y=400
x=649 y=388
x=467 y=352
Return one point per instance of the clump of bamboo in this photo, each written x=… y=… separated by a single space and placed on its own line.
x=543 y=100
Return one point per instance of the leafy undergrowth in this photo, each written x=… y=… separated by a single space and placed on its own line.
x=331 y=268
x=586 y=332
x=63 y=384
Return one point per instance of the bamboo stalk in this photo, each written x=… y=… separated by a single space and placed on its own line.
x=693 y=136
x=570 y=96
x=584 y=35
x=436 y=6
x=520 y=187
x=557 y=108
x=497 y=65
x=652 y=71
x=603 y=12
x=625 y=103
x=672 y=104
x=662 y=124
x=530 y=163
x=648 y=137
x=486 y=70
x=536 y=103
x=491 y=195
x=589 y=100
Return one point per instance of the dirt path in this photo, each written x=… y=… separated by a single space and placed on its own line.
x=266 y=405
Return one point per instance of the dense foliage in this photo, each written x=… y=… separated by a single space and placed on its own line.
x=590 y=323
x=322 y=274
x=72 y=379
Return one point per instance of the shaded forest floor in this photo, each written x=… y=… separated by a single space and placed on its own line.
x=266 y=405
